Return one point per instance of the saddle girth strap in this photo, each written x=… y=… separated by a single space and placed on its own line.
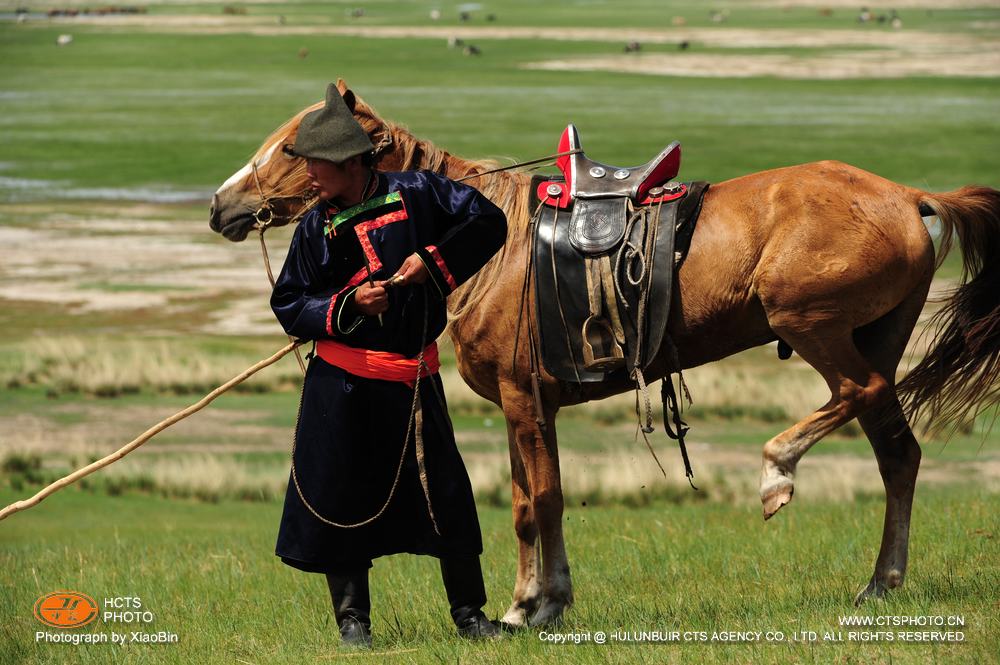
x=669 y=398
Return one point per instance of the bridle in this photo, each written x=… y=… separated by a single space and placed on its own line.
x=263 y=218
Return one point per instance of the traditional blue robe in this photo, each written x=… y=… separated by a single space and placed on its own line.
x=351 y=430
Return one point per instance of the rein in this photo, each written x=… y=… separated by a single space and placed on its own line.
x=263 y=218
x=540 y=160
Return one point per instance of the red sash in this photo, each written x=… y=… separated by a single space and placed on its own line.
x=377 y=364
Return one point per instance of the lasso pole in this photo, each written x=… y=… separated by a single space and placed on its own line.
x=18 y=506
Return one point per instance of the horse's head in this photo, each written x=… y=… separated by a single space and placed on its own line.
x=273 y=188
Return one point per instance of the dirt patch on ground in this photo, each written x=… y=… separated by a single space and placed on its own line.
x=876 y=8
x=105 y=427
x=868 y=65
x=730 y=474
x=133 y=259
x=830 y=4
x=721 y=37
x=897 y=53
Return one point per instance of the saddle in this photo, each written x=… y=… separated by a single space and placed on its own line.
x=606 y=244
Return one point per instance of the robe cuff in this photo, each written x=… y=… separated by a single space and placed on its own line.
x=342 y=317
x=438 y=269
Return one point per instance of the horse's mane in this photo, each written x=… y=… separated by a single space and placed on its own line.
x=296 y=181
x=506 y=189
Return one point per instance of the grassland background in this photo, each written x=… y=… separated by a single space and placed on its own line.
x=117 y=308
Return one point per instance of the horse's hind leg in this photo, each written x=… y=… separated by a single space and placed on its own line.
x=896 y=449
x=898 y=457
x=538 y=455
x=854 y=386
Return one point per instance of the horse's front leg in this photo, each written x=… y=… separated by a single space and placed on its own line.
x=527 y=586
x=539 y=459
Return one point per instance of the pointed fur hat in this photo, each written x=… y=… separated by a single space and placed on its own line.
x=331 y=133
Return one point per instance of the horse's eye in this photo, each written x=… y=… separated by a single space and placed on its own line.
x=288 y=151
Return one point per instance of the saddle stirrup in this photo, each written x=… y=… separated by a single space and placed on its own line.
x=598 y=330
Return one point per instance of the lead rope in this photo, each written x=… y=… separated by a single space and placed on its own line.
x=263 y=222
x=414 y=419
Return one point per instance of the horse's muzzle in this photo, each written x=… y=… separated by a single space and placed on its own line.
x=230 y=218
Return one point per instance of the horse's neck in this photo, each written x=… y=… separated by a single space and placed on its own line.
x=507 y=190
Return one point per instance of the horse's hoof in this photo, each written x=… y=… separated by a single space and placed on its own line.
x=549 y=614
x=878 y=588
x=516 y=618
x=512 y=628
x=873 y=590
x=775 y=496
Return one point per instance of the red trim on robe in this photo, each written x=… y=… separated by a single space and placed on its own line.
x=366 y=244
x=436 y=255
x=374 y=262
x=359 y=276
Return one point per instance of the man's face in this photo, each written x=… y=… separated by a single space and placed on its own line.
x=330 y=180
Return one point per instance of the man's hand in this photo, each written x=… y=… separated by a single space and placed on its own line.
x=372 y=300
x=413 y=270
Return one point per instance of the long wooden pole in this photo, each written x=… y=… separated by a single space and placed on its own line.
x=18 y=506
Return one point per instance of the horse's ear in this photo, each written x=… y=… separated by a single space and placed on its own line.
x=350 y=100
x=347 y=94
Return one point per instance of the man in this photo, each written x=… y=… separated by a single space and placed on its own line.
x=375 y=468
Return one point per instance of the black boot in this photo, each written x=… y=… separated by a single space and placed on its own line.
x=463 y=582
x=352 y=606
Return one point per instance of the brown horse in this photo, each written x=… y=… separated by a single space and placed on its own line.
x=831 y=259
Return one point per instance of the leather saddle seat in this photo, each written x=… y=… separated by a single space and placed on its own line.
x=604 y=272
x=589 y=179
x=602 y=192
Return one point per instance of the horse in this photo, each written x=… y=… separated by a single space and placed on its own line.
x=832 y=260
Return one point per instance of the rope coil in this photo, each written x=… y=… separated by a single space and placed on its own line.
x=415 y=419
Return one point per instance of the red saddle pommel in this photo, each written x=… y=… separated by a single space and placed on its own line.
x=636 y=182
x=570 y=140
x=665 y=167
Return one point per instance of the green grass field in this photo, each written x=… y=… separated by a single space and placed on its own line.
x=118 y=307
x=207 y=574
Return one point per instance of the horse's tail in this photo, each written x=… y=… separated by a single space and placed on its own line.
x=957 y=379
